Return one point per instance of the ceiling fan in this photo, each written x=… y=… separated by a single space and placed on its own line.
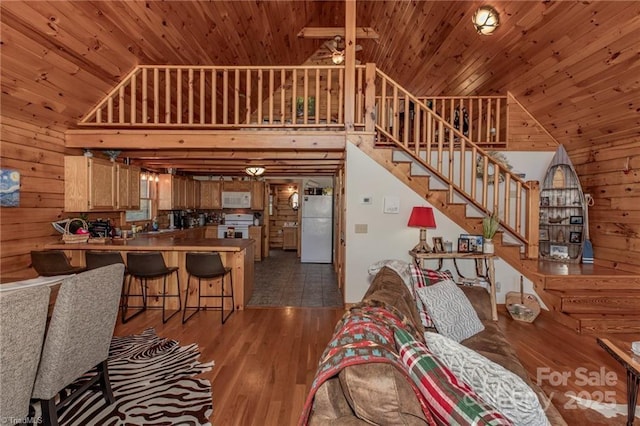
x=336 y=48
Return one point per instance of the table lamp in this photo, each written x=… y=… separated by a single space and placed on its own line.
x=422 y=217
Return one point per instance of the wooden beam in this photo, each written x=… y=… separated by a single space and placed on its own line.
x=194 y=139
x=330 y=32
x=229 y=154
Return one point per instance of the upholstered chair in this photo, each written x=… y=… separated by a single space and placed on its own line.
x=78 y=338
x=23 y=316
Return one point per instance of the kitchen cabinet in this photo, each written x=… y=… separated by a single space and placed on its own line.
x=210 y=197
x=171 y=192
x=89 y=184
x=127 y=187
x=255 y=233
x=257 y=195
x=192 y=192
x=236 y=185
x=211 y=231
x=290 y=238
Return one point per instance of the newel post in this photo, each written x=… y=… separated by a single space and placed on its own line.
x=533 y=219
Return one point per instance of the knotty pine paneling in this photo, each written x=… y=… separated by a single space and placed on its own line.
x=38 y=154
x=524 y=132
x=282 y=212
x=611 y=174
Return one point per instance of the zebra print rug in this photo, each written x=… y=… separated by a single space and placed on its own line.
x=153 y=383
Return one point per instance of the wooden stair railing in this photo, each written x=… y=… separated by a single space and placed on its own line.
x=465 y=168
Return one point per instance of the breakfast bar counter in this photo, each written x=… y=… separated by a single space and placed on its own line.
x=235 y=253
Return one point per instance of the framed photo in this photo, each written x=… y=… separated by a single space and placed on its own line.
x=438 y=245
x=475 y=242
x=575 y=237
x=576 y=220
x=544 y=202
x=558 y=251
x=544 y=234
x=463 y=245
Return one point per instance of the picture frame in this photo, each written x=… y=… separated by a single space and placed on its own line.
x=544 y=202
x=558 y=251
x=438 y=245
x=575 y=237
x=463 y=245
x=475 y=242
x=576 y=220
x=544 y=234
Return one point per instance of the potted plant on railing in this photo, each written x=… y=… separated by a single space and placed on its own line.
x=490 y=226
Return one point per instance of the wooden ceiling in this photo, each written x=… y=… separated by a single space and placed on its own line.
x=575 y=65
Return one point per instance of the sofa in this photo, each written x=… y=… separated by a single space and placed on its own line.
x=378 y=391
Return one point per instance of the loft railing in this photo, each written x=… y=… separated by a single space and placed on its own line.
x=462 y=165
x=224 y=97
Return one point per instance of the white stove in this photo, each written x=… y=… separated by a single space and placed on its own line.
x=235 y=226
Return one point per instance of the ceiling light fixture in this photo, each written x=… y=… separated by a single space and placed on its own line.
x=337 y=58
x=254 y=171
x=486 y=20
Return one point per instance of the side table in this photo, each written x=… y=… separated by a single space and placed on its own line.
x=477 y=257
x=622 y=353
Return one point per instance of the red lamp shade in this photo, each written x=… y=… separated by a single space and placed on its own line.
x=422 y=217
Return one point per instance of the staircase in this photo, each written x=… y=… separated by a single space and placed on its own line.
x=588 y=299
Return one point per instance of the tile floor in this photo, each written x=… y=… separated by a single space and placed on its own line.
x=281 y=280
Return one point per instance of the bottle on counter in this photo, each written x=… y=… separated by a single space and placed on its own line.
x=154 y=225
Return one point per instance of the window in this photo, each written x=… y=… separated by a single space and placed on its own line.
x=146 y=200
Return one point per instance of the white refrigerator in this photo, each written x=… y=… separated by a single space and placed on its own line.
x=317 y=229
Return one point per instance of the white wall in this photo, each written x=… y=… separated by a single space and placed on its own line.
x=388 y=236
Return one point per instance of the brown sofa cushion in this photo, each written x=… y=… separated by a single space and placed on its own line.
x=388 y=287
x=380 y=394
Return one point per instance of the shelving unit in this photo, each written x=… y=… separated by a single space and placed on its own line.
x=562 y=213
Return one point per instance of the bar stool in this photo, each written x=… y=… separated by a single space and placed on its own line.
x=144 y=266
x=207 y=266
x=48 y=263
x=95 y=259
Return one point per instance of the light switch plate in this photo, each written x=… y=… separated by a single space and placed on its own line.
x=361 y=228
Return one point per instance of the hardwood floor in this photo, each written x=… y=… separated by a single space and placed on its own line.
x=265 y=360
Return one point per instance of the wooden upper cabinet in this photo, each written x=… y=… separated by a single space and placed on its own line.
x=170 y=192
x=236 y=185
x=257 y=195
x=89 y=184
x=192 y=193
x=210 y=196
x=127 y=187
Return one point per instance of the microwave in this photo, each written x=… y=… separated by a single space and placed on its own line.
x=236 y=200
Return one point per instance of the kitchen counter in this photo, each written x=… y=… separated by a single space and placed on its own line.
x=236 y=253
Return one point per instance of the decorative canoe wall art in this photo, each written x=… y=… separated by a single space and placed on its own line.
x=9 y=188
x=562 y=212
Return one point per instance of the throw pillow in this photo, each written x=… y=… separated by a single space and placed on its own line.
x=450 y=310
x=492 y=382
x=434 y=277
x=450 y=400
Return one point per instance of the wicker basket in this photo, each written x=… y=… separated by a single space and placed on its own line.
x=522 y=306
x=70 y=238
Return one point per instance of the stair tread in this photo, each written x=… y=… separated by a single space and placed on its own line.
x=595 y=316
x=589 y=292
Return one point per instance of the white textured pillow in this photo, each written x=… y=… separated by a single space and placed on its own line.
x=450 y=310
x=501 y=388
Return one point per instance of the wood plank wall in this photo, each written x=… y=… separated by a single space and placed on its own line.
x=611 y=174
x=38 y=155
x=282 y=212
x=524 y=132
